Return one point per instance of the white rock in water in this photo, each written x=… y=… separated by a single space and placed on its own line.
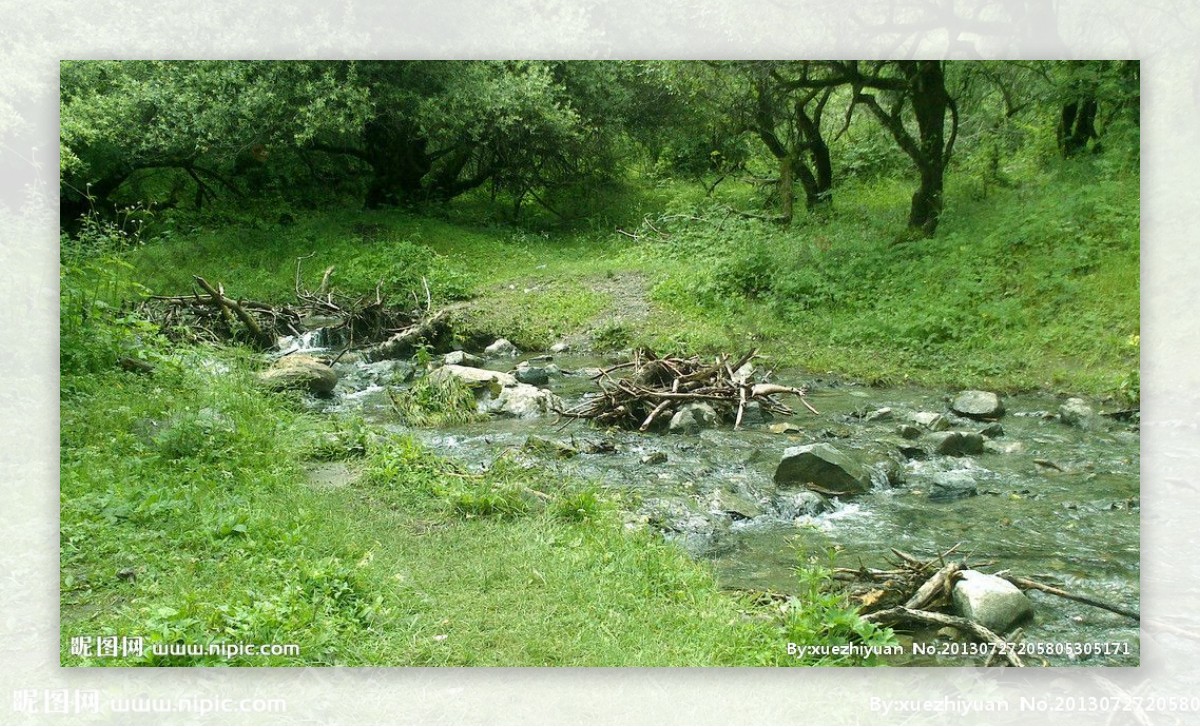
x=931 y=420
x=990 y=601
x=524 y=401
x=1075 y=412
x=978 y=405
x=502 y=347
x=462 y=358
x=693 y=417
x=475 y=378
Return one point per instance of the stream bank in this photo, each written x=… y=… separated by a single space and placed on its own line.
x=1049 y=489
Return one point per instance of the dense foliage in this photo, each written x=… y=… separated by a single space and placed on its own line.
x=186 y=134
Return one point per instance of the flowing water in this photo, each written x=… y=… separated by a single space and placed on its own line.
x=1055 y=503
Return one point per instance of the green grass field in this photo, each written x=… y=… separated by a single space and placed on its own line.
x=188 y=514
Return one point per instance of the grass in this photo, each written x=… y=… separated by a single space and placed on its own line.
x=186 y=519
x=1031 y=287
x=186 y=515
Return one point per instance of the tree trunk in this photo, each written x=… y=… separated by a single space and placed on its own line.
x=1078 y=125
x=399 y=161
x=818 y=182
x=787 y=193
x=930 y=103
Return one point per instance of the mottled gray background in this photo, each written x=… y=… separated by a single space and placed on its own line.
x=1163 y=34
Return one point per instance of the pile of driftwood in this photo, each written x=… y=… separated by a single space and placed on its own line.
x=368 y=324
x=917 y=591
x=649 y=389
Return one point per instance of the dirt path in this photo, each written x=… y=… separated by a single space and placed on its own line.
x=630 y=297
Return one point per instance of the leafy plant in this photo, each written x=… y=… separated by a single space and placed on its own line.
x=436 y=401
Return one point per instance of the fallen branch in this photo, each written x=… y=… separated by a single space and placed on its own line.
x=226 y=304
x=657 y=387
x=938 y=585
x=1027 y=584
x=900 y=614
x=404 y=342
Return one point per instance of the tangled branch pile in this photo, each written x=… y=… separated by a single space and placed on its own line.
x=210 y=315
x=916 y=591
x=651 y=389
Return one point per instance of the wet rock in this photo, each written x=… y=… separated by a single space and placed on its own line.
x=836 y=433
x=524 y=402
x=560 y=347
x=931 y=420
x=784 y=428
x=736 y=505
x=500 y=349
x=677 y=515
x=462 y=358
x=543 y=447
x=990 y=601
x=984 y=405
x=953 y=485
x=957 y=444
x=791 y=505
x=691 y=418
x=535 y=374
x=1076 y=413
x=908 y=431
x=654 y=458
x=478 y=379
x=358 y=376
x=598 y=446
x=301 y=373
x=824 y=468
x=878 y=415
x=992 y=431
x=753 y=415
x=994 y=447
x=1049 y=464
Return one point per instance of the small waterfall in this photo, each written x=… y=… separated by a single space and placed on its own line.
x=307 y=342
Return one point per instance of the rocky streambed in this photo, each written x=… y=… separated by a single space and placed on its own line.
x=1044 y=486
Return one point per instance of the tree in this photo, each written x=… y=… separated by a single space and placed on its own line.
x=1084 y=88
x=120 y=119
x=409 y=131
x=921 y=87
x=787 y=118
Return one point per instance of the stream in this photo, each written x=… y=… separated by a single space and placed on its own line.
x=1056 y=503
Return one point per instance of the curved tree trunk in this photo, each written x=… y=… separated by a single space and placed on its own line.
x=930 y=103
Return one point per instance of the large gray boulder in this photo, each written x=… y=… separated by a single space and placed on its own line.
x=524 y=402
x=693 y=417
x=957 y=444
x=823 y=468
x=301 y=373
x=478 y=379
x=1076 y=413
x=984 y=405
x=990 y=601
